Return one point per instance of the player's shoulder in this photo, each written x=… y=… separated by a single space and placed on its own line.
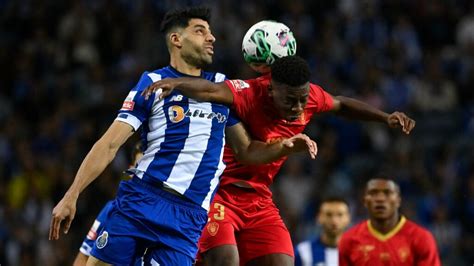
x=356 y=229
x=315 y=86
x=415 y=229
x=214 y=76
x=315 y=89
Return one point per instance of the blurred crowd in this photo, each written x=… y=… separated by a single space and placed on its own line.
x=66 y=67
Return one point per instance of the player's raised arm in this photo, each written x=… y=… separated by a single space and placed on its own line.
x=101 y=154
x=352 y=108
x=248 y=151
x=196 y=88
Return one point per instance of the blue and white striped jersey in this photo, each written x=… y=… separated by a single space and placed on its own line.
x=183 y=138
x=315 y=253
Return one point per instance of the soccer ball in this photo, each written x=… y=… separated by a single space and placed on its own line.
x=266 y=41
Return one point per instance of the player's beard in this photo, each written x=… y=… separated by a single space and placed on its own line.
x=197 y=58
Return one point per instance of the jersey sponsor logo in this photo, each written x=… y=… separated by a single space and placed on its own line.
x=239 y=84
x=212 y=228
x=176 y=98
x=128 y=103
x=101 y=242
x=176 y=114
x=365 y=249
x=92 y=234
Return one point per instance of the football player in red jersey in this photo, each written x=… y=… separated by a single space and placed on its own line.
x=387 y=237
x=244 y=225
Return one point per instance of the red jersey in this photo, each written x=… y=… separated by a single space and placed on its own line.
x=407 y=244
x=255 y=108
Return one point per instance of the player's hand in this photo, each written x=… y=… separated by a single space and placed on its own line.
x=300 y=142
x=162 y=87
x=64 y=211
x=399 y=119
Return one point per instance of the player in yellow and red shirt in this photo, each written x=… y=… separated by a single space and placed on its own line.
x=244 y=224
x=387 y=237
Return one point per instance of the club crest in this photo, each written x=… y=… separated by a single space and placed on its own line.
x=102 y=240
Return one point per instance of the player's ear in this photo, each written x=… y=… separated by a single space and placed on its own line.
x=399 y=201
x=175 y=39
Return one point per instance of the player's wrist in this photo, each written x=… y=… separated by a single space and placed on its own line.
x=72 y=194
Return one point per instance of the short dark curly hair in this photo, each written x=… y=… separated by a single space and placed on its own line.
x=291 y=70
x=180 y=17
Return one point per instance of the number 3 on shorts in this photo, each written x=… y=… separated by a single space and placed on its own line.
x=220 y=211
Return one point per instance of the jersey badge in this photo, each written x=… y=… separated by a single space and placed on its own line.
x=102 y=240
x=240 y=84
x=212 y=228
x=403 y=253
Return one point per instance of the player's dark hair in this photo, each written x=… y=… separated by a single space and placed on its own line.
x=291 y=70
x=383 y=176
x=180 y=17
x=331 y=199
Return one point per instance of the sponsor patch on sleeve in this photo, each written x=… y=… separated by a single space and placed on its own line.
x=92 y=234
x=239 y=84
x=128 y=104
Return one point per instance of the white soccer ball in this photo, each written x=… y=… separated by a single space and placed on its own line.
x=266 y=41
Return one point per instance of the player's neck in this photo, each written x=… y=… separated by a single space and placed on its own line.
x=184 y=67
x=385 y=225
x=330 y=241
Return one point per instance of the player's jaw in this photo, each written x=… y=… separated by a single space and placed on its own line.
x=199 y=57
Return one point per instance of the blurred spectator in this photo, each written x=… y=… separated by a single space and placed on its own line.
x=66 y=64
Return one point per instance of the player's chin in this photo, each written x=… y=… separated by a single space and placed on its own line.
x=379 y=214
x=207 y=60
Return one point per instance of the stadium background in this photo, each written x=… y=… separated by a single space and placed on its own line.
x=66 y=66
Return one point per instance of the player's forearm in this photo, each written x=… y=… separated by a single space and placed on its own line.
x=355 y=109
x=198 y=89
x=261 y=153
x=204 y=90
x=93 y=165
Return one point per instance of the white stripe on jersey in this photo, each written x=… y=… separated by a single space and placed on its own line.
x=305 y=253
x=219 y=77
x=156 y=135
x=154 y=77
x=194 y=148
x=331 y=256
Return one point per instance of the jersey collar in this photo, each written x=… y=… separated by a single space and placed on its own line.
x=384 y=237
x=180 y=74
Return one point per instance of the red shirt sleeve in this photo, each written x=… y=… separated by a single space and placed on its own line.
x=426 y=251
x=244 y=92
x=319 y=100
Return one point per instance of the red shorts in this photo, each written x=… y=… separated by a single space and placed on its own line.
x=240 y=216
